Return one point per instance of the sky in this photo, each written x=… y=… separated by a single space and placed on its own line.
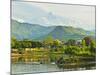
x=54 y=14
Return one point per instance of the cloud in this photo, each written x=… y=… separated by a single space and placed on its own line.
x=74 y=15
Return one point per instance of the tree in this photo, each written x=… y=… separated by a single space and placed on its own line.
x=48 y=42
x=83 y=49
x=87 y=40
x=69 y=50
x=36 y=44
x=71 y=42
x=56 y=43
x=83 y=43
x=13 y=42
x=93 y=46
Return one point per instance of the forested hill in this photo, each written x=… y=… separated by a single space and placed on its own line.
x=39 y=32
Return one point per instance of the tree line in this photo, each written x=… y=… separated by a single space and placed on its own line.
x=85 y=46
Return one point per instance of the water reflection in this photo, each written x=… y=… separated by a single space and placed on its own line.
x=41 y=62
x=30 y=59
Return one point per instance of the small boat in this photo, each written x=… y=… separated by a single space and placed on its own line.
x=35 y=62
x=53 y=63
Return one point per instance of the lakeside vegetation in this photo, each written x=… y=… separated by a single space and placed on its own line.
x=66 y=54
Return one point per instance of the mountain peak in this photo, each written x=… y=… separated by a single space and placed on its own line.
x=38 y=32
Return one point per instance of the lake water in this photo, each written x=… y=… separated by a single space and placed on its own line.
x=34 y=68
x=38 y=68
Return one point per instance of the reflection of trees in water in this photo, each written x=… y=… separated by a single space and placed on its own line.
x=66 y=54
x=30 y=58
x=76 y=63
x=21 y=59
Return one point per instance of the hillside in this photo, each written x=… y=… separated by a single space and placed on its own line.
x=38 y=32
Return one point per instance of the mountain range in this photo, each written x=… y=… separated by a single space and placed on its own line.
x=22 y=30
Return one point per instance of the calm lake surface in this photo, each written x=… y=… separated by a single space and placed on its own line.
x=36 y=68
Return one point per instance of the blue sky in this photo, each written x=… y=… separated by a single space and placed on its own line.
x=54 y=14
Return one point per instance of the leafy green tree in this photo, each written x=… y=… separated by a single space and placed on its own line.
x=56 y=43
x=88 y=40
x=13 y=42
x=71 y=42
x=48 y=42
x=36 y=44
x=69 y=50
x=93 y=46
x=83 y=43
